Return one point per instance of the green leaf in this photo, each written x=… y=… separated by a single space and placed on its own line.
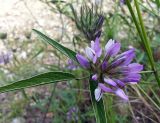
x=45 y=78
x=99 y=108
x=158 y=3
x=143 y=35
x=57 y=1
x=69 y=53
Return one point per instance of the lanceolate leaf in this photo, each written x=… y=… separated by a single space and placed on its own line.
x=99 y=108
x=69 y=53
x=45 y=78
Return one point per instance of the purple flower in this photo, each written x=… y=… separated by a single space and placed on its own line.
x=122 y=2
x=95 y=77
x=112 y=48
x=93 y=53
x=71 y=65
x=72 y=114
x=5 y=57
x=83 y=61
x=119 y=92
x=112 y=71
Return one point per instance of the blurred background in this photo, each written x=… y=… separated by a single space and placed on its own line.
x=23 y=55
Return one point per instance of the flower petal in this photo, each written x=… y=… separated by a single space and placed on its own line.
x=96 y=44
x=97 y=47
x=98 y=93
x=94 y=59
x=110 y=81
x=125 y=70
x=132 y=77
x=135 y=67
x=120 y=83
x=117 y=62
x=95 y=77
x=83 y=61
x=109 y=44
x=126 y=53
x=114 y=49
x=104 y=65
x=119 y=92
x=90 y=53
x=129 y=58
x=104 y=88
x=99 y=53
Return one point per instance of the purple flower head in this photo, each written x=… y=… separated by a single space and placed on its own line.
x=113 y=70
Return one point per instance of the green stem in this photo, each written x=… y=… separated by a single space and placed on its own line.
x=110 y=114
x=98 y=106
x=143 y=36
x=135 y=20
x=147 y=72
x=156 y=96
x=147 y=43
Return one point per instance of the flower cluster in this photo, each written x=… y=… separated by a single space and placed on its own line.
x=111 y=70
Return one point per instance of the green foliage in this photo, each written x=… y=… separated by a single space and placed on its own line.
x=158 y=3
x=46 y=78
x=69 y=53
x=119 y=25
x=143 y=35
